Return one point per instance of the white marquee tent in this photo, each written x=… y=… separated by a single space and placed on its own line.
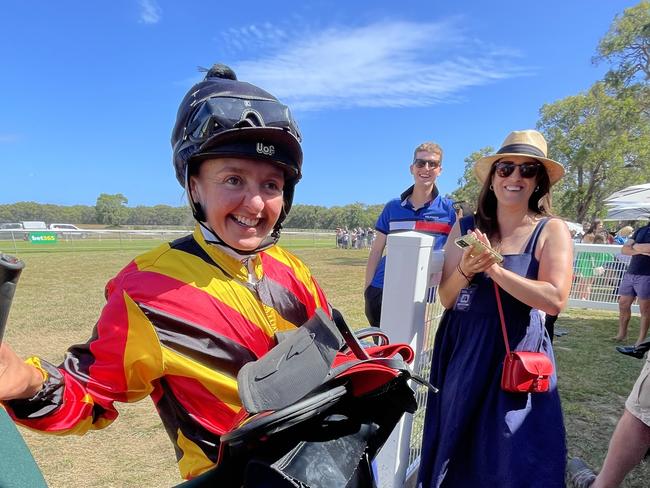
x=631 y=203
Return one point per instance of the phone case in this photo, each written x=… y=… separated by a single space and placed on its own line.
x=470 y=240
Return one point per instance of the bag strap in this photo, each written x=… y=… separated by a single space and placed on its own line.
x=503 y=321
x=532 y=240
x=530 y=248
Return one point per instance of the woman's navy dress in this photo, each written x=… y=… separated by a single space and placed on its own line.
x=475 y=434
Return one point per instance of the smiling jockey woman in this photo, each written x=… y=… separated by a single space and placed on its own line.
x=182 y=319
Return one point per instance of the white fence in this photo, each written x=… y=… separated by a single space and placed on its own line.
x=597 y=273
x=24 y=241
x=410 y=313
x=27 y=241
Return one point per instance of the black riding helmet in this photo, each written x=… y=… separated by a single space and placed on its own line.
x=221 y=116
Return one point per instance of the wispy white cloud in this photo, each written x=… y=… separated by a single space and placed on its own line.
x=150 y=11
x=385 y=64
x=8 y=138
x=252 y=37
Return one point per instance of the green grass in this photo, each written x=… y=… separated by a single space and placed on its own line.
x=59 y=298
x=594 y=381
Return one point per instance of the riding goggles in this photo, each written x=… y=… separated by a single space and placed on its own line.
x=217 y=114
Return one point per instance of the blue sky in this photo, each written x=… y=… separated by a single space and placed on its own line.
x=89 y=90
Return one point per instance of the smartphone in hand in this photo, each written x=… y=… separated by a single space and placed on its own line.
x=471 y=240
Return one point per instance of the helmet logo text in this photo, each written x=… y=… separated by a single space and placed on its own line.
x=266 y=150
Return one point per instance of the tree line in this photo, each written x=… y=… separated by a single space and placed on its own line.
x=109 y=210
x=112 y=210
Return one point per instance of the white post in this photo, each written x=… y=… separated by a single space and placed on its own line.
x=411 y=267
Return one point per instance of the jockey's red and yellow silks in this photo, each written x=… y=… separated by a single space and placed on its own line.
x=179 y=323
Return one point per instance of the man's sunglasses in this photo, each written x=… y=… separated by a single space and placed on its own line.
x=526 y=170
x=421 y=163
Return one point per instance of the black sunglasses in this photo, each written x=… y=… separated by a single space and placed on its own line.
x=421 y=163
x=526 y=170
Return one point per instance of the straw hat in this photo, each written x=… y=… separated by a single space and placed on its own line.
x=521 y=143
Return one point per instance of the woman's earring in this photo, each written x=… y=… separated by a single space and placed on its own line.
x=492 y=187
x=537 y=188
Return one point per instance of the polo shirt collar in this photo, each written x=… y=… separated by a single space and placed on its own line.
x=404 y=197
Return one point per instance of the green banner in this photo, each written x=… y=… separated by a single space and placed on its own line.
x=42 y=237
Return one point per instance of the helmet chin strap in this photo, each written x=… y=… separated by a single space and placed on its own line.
x=211 y=237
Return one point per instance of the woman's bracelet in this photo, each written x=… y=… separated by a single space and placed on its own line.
x=463 y=274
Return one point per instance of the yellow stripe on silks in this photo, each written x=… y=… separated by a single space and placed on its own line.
x=220 y=385
x=194 y=462
x=281 y=323
x=36 y=362
x=143 y=359
x=102 y=422
x=193 y=271
x=88 y=424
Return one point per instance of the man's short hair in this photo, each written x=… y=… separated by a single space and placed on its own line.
x=431 y=147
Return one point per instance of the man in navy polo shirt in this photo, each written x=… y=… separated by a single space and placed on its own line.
x=419 y=208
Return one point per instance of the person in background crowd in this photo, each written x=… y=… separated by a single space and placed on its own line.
x=345 y=239
x=584 y=270
x=361 y=239
x=635 y=284
x=181 y=320
x=595 y=227
x=420 y=208
x=623 y=234
x=598 y=260
x=588 y=238
x=475 y=433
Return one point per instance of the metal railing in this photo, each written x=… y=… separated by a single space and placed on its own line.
x=597 y=273
x=432 y=317
x=25 y=241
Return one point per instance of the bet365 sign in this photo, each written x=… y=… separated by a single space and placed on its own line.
x=42 y=237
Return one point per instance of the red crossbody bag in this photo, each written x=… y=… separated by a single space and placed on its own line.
x=523 y=371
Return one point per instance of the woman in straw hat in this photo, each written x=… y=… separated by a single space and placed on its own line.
x=475 y=433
